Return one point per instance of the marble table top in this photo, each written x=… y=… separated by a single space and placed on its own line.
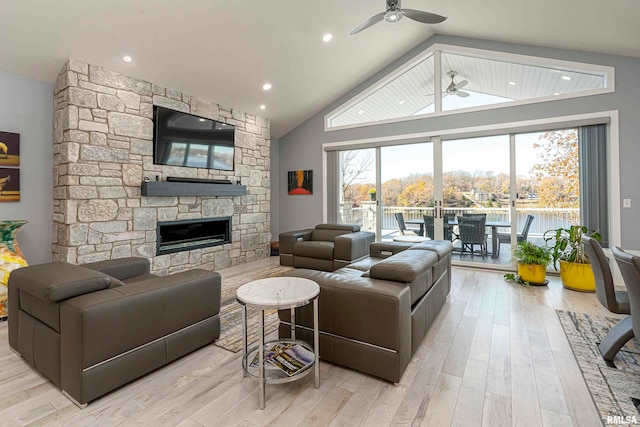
x=278 y=292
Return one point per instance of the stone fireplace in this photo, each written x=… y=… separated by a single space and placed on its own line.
x=103 y=152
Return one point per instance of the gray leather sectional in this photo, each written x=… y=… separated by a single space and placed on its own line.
x=326 y=247
x=374 y=312
x=93 y=328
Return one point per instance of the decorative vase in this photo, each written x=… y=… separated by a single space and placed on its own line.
x=577 y=277
x=372 y=197
x=10 y=259
x=534 y=274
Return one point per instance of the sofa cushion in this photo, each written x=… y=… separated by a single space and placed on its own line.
x=344 y=227
x=441 y=247
x=58 y=281
x=314 y=249
x=405 y=266
x=327 y=235
x=365 y=263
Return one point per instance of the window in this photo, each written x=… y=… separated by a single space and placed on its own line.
x=470 y=79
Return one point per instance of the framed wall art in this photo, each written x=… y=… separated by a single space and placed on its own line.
x=300 y=182
x=9 y=167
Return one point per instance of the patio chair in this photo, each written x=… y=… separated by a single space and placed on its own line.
x=473 y=232
x=403 y=228
x=521 y=237
x=630 y=268
x=430 y=228
x=449 y=234
x=612 y=300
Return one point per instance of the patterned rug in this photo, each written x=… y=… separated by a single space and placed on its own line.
x=614 y=389
x=231 y=311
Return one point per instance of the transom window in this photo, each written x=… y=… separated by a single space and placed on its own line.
x=469 y=79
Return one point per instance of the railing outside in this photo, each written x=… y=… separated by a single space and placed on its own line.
x=545 y=218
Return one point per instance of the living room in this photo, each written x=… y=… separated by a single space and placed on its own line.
x=75 y=217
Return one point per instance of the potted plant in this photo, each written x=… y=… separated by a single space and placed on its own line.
x=372 y=194
x=567 y=251
x=532 y=261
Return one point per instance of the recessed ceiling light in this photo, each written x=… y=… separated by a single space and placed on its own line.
x=266 y=86
x=512 y=83
x=401 y=102
x=327 y=37
x=127 y=58
x=263 y=107
x=566 y=78
x=557 y=93
x=202 y=120
x=360 y=112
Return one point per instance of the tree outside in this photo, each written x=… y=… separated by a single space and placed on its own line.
x=552 y=182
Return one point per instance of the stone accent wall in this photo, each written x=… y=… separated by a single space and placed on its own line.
x=103 y=149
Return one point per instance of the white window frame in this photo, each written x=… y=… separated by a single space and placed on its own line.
x=436 y=49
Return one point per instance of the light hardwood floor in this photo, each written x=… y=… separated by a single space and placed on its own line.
x=496 y=356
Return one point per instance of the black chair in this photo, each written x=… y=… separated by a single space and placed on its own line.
x=429 y=227
x=630 y=268
x=403 y=228
x=521 y=237
x=448 y=229
x=612 y=300
x=472 y=231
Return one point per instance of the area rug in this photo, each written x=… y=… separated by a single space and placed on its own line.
x=616 y=389
x=231 y=311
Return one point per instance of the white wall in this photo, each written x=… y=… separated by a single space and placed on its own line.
x=26 y=107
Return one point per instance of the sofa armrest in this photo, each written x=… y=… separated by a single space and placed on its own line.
x=352 y=246
x=372 y=311
x=287 y=239
x=121 y=268
x=107 y=324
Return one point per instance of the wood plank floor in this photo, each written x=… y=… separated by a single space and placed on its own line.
x=496 y=356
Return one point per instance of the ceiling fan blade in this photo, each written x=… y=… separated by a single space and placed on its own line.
x=424 y=17
x=462 y=84
x=369 y=22
x=462 y=94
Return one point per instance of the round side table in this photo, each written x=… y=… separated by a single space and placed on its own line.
x=410 y=239
x=278 y=293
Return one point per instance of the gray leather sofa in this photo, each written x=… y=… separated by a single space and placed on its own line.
x=93 y=328
x=374 y=313
x=326 y=247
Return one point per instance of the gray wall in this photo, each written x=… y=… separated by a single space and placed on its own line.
x=26 y=107
x=275 y=187
x=302 y=147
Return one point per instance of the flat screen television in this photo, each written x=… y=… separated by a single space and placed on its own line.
x=181 y=139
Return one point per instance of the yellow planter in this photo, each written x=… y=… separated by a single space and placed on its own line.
x=577 y=277
x=535 y=274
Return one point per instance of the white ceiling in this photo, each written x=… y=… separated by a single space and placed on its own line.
x=226 y=50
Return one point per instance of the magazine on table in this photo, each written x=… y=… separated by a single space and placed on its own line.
x=287 y=356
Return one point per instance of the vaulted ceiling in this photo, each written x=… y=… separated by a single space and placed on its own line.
x=226 y=50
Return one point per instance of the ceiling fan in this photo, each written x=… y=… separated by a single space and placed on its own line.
x=454 y=88
x=394 y=13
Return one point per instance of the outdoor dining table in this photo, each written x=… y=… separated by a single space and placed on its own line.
x=493 y=224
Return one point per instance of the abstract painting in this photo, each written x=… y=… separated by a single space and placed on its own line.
x=300 y=182
x=9 y=149
x=9 y=185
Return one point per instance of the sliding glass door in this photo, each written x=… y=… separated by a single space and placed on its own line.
x=407 y=187
x=357 y=195
x=476 y=181
x=522 y=183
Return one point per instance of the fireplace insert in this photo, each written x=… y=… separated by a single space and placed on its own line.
x=184 y=235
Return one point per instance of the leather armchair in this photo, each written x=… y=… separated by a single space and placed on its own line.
x=326 y=247
x=93 y=328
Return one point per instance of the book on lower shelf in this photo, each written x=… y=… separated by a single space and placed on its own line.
x=289 y=357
